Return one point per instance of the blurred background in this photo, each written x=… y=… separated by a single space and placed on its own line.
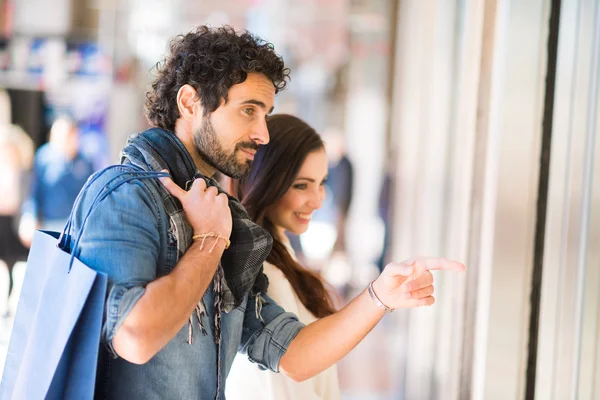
x=459 y=128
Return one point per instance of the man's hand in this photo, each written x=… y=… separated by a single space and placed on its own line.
x=409 y=283
x=167 y=302
x=205 y=209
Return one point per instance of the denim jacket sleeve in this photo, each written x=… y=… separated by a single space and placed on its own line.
x=122 y=238
x=265 y=342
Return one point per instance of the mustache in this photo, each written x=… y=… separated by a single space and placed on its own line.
x=247 y=145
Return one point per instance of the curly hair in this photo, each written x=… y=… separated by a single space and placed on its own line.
x=211 y=60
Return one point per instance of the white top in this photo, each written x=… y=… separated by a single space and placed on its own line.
x=247 y=382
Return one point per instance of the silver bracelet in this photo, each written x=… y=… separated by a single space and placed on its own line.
x=376 y=299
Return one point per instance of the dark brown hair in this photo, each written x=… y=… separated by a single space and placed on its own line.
x=274 y=169
x=211 y=60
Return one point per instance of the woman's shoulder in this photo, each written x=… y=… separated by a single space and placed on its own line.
x=280 y=289
x=273 y=272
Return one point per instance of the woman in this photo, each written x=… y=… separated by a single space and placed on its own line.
x=283 y=189
x=16 y=156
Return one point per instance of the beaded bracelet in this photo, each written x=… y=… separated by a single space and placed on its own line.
x=203 y=236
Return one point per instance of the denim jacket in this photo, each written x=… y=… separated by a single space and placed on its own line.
x=128 y=237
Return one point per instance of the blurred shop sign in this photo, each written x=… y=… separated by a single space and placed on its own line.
x=47 y=62
x=43 y=17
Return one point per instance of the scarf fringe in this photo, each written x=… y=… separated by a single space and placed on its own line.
x=218 y=303
x=260 y=301
x=200 y=313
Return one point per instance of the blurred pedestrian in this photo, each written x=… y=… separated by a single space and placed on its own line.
x=59 y=172
x=16 y=155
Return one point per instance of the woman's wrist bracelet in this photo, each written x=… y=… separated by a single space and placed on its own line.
x=376 y=299
x=203 y=236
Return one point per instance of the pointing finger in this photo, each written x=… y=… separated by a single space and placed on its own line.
x=432 y=264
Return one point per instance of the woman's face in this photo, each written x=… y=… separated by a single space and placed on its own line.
x=294 y=210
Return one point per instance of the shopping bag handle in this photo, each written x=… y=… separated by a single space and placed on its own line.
x=137 y=174
x=65 y=235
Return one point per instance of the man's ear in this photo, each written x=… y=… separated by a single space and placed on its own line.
x=186 y=102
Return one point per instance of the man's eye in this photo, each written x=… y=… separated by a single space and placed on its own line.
x=249 y=111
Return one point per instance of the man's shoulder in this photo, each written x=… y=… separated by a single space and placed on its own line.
x=110 y=175
x=122 y=181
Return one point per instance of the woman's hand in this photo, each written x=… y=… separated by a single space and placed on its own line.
x=410 y=283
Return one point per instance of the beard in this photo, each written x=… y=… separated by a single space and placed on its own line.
x=212 y=152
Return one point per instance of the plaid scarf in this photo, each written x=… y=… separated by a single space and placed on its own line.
x=240 y=271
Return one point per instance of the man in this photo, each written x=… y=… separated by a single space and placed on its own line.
x=186 y=288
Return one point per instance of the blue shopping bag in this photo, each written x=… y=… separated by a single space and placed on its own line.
x=53 y=349
x=55 y=341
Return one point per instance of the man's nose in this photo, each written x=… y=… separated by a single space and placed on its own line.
x=260 y=132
